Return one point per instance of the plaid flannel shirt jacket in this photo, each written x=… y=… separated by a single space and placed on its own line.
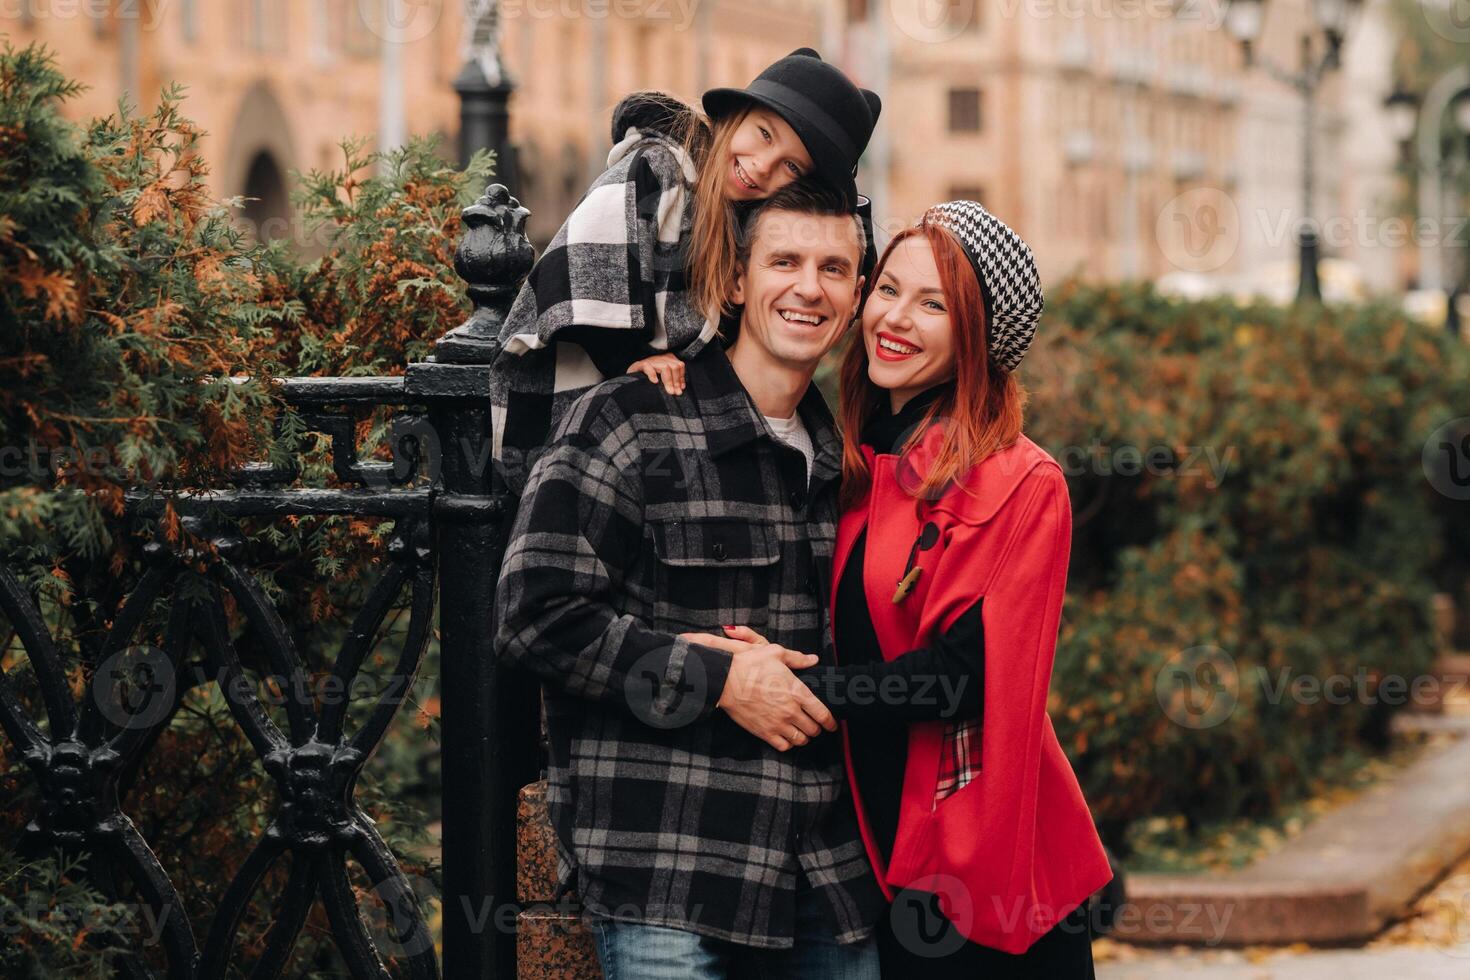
x=650 y=515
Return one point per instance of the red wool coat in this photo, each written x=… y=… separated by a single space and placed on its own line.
x=1015 y=850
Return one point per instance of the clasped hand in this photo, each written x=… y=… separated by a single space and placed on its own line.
x=762 y=695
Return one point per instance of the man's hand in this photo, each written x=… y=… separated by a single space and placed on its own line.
x=765 y=698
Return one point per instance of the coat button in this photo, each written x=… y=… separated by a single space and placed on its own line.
x=798 y=499
x=719 y=551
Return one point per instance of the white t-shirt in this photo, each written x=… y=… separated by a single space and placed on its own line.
x=793 y=432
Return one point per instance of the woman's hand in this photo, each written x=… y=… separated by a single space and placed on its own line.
x=661 y=367
x=737 y=639
x=744 y=634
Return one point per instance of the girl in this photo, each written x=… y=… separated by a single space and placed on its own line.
x=645 y=261
x=950 y=570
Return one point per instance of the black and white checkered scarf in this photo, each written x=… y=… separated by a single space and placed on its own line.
x=611 y=288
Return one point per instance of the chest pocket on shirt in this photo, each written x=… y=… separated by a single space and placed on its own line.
x=713 y=571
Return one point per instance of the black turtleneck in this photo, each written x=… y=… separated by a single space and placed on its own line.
x=885 y=431
x=878 y=698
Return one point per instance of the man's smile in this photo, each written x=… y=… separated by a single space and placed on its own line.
x=797 y=316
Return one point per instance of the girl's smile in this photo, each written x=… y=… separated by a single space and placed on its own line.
x=765 y=156
x=742 y=179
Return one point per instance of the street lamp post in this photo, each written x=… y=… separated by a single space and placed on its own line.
x=484 y=88
x=1244 y=18
x=1420 y=131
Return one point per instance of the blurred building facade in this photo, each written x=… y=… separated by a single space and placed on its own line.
x=1122 y=139
x=570 y=71
x=1073 y=126
x=277 y=84
x=1371 y=233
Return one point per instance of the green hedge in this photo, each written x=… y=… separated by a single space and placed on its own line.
x=1250 y=509
x=128 y=300
x=54 y=924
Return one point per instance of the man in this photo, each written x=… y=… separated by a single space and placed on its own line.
x=700 y=814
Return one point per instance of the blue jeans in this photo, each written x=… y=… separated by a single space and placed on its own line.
x=634 y=951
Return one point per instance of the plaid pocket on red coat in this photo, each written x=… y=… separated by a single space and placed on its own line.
x=959 y=758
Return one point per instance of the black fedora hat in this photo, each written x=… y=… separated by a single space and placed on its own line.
x=832 y=116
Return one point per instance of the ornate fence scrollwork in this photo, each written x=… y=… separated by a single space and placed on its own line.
x=448 y=512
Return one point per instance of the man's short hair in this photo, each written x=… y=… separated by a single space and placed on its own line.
x=807 y=195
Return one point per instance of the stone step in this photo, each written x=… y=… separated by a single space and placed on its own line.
x=1351 y=872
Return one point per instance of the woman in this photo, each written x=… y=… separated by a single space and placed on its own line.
x=617 y=283
x=949 y=576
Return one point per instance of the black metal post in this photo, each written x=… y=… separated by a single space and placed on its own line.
x=484 y=119
x=1308 y=286
x=490 y=720
x=1306 y=80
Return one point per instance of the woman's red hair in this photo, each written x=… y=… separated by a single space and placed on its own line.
x=983 y=410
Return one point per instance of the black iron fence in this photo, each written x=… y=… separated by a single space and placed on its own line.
x=448 y=513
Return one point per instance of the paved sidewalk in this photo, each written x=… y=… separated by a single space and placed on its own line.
x=1342 y=880
x=1402 y=963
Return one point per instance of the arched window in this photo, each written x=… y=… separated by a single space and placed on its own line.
x=268 y=210
x=260 y=156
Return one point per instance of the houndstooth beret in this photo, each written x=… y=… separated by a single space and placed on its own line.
x=1007 y=272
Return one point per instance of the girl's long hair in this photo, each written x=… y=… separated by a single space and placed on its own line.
x=712 y=256
x=713 y=245
x=981 y=413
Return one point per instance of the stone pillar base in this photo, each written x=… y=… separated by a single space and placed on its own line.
x=551 y=943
